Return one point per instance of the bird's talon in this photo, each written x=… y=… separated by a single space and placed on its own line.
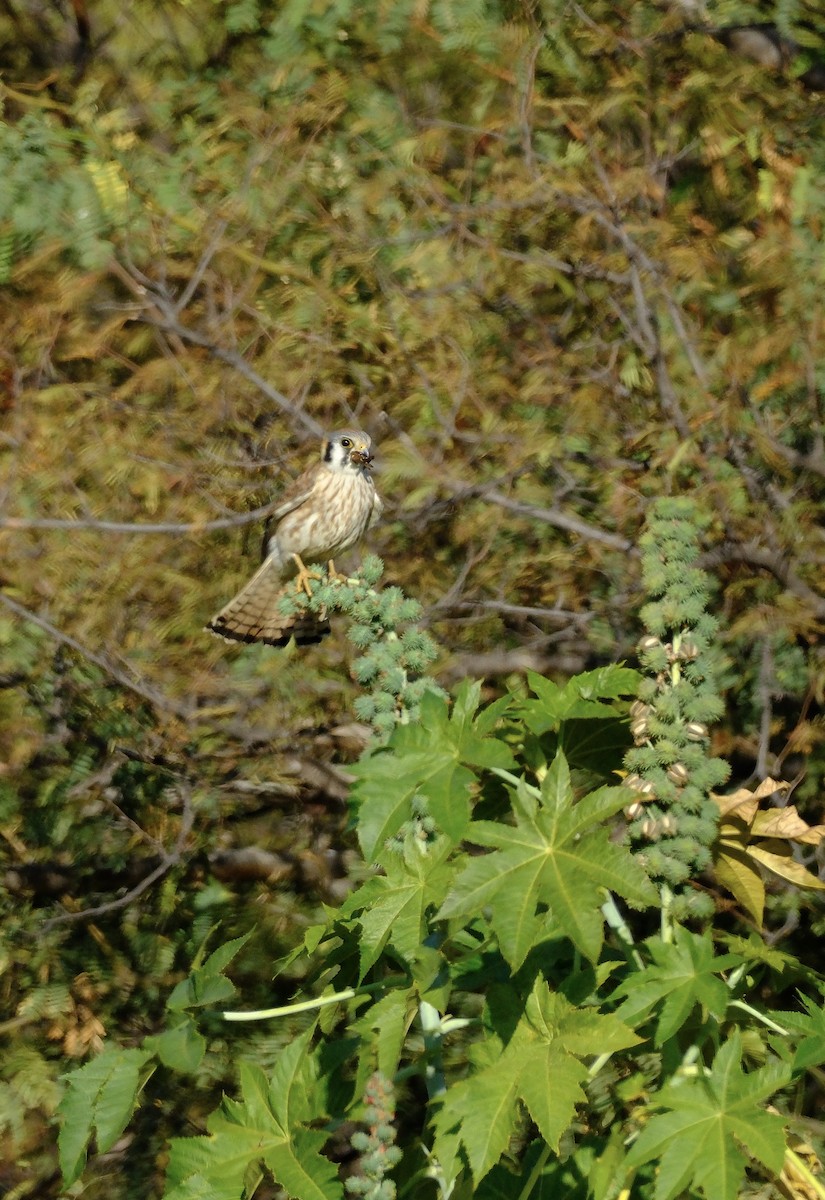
x=335 y=576
x=302 y=579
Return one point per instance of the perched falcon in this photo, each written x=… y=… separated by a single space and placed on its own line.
x=325 y=512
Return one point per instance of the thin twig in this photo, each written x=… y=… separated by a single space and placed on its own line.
x=552 y=516
x=171 y=859
x=255 y=514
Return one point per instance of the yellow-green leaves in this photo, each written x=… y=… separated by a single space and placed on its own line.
x=535 y=1051
x=548 y=873
x=708 y=1119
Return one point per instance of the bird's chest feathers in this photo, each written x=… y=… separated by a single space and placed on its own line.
x=332 y=519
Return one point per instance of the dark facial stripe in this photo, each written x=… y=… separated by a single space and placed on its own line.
x=328 y=452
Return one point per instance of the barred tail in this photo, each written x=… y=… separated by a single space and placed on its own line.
x=252 y=615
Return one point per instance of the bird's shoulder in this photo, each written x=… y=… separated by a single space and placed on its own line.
x=296 y=492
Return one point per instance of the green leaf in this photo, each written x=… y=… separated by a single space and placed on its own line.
x=100 y=1097
x=559 y=855
x=431 y=758
x=207 y=984
x=182 y=1048
x=480 y=1113
x=383 y=1028
x=810 y=1052
x=606 y=683
x=697 y=1141
x=263 y=1127
x=582 y=697
x=682 y=975
x=539 y=1064
x=394 y=906
x=382 y=794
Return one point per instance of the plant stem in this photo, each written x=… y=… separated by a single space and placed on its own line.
x=284 y=1010
x=533 y=1178
x=754 y=1012
x=434 y=1078
x=798 y=1167
x=667 y=923
x=616 y=921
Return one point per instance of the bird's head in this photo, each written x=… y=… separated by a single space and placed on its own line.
x=348 y=451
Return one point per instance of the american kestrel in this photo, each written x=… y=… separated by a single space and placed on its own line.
x=323 y=513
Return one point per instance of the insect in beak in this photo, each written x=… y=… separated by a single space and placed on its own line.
x=361 y=457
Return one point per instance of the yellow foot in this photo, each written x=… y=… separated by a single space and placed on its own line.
x=303 y=577
x=335 y=576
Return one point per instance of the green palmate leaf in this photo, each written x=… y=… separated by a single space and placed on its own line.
x=469 y=732
x=427 y=758
x=182 y=1047
x=697 y=1141
x=383 y=794
x=592 y=730
x=263 y=1128
x=810 y=1051
x=393 y=907
x=558 y=854
x=207 y=984
x=539 y=1065
x=595 y=745
x=382 y=1029
x=582 y=697
x=478 y=1118
x=100 y=1098
x=682 y=975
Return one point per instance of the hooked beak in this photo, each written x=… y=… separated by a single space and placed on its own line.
x=361 y=458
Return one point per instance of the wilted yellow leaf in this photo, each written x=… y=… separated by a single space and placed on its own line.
x=736 y=871
x=752 y=840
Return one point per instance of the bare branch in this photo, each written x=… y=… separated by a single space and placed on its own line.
x=255 y=514
x=165 y=317
x=765 y=693
x=509 y=662
x=757 y=556
x=552 y=516
x=511 y=610
x=170 y=859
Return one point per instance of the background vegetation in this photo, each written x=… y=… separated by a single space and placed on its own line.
x=559 y=260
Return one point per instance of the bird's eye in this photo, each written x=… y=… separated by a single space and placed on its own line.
x=346 y=443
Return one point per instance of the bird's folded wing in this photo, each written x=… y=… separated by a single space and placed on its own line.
x=295 y=493
x=377 y=509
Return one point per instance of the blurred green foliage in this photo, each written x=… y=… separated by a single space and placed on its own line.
x=558 y=261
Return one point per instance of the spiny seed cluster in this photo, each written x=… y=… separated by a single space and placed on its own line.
x=378 y=1153
x=419 y=832
x=673 y=821
x=393 y=658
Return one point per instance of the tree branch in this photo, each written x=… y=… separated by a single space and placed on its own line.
x=165 y=317
x=552 y=516
x=756 y=556
x=170 y=859
x=255 y=514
